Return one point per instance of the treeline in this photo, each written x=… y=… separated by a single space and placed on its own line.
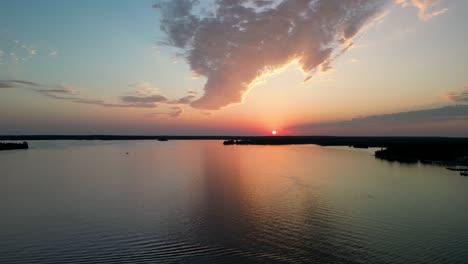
x=11 y=146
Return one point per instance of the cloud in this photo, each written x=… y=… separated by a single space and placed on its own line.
x=234 y=42
x=143 y=99
x=142 y=89
x=59 y=93
x=25 y=83
x=184 y=100
x=128 y=101
x=20 y=51
x=23 y=51
x=425 y=7
x=459 y=97
x=14 y=57
x=107 y=104
x=16 y=83
x=7 y=84
x=143 y=95
x=174 y=112
x=29 y=49
x=416 y=122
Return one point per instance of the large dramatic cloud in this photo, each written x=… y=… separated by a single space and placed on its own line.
x=234 y=42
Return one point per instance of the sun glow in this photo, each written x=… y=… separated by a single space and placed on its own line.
x=273 y=132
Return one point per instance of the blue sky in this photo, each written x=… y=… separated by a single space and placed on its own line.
x=94 y=41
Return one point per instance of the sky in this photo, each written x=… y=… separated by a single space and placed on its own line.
x=227 y=67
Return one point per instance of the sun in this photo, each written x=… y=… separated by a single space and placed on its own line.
x=274 y=132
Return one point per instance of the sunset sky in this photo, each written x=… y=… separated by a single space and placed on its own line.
x=247 y=67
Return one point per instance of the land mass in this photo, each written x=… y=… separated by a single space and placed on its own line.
x=439 y=150
x=12 y=146
x=436 y=150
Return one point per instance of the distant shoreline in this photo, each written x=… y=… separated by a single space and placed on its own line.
x=370 y=141
x=13 y=146
x=435 y=150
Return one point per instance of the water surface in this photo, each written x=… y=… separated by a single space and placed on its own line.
x=202 y=202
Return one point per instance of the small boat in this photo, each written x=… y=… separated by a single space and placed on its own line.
x=464 y=173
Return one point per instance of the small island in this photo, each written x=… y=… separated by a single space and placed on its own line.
x=12 y=146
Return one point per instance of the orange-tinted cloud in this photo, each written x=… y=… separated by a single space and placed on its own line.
x=425 y=7
x=239 y=41
x=234 y=42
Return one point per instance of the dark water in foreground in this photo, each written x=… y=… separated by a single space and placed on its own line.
x=202 y=202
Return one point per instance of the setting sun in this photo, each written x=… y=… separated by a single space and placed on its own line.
x=273 y=132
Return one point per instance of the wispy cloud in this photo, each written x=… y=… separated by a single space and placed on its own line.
x=184 y=100
x=19 y=51
x=427 y=8
x=460 y=96
x=144 y=99
x=16 y=83
x=174 y=112
x=394 y=123
x=14 y=57
x=25 y=82
x=143 y=95
x=60 y=92
x=7 y=84
x=238 y=42
x=29 y=49
x=142 y=89
x=54 y=53
x=108 y=104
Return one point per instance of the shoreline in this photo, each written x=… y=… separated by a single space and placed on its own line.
x=444 y=151
x=13 y=146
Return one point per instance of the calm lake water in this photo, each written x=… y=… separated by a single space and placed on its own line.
x=202 y=202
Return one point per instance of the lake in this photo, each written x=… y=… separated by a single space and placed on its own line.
x=203 y=202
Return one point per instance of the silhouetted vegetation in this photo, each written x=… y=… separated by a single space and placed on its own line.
x=112 y=137
x=11 y=146
x=426 y=153
x=402 y=149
